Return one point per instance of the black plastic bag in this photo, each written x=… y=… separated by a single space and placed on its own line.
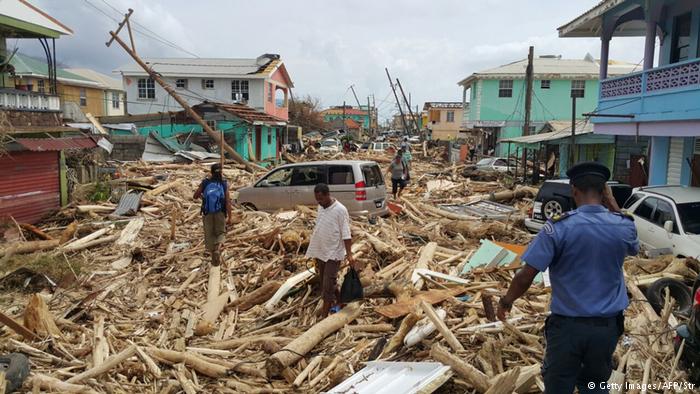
x=352 y=288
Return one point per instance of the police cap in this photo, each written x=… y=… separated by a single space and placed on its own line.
x=588 y=168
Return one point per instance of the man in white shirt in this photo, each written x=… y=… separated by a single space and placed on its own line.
x=330 y=244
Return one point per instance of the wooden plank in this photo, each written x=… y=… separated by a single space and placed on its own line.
x=426 y=256
x=441 y=327
x=18 y=328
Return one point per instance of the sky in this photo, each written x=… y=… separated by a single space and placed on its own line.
x=328 y=45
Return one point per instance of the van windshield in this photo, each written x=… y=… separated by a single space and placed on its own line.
x=690 y=217
x=372 y=175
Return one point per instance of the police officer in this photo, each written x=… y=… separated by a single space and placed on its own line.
x=584 y=250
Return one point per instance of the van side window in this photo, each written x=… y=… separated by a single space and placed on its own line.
x=280 y=177
x=664 y=213
x=340 y=175
x=633 y=199
x=373 y=175
x=307 y=176
x=646 y=208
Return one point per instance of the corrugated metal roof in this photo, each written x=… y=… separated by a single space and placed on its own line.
x=246 y=113
x=211 y=67
x=29 y=185
x=552 y=68
x=561 y=130
x=387 y=377
x=22 y=10
x=105 y=80
x=589 y=24
x=129 y=203
x=28 y=66
x=56 y=144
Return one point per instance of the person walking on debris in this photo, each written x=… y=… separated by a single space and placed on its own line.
x=330 y=244
x=584 y=251
x=216 y=208
x=397 y=170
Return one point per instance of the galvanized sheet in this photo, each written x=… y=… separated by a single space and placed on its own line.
x=29 y=185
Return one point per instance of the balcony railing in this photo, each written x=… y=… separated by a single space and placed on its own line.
x=28 y=101
x=677 y=76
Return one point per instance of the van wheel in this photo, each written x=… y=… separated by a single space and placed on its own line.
x=249 y=206
x=554 y=207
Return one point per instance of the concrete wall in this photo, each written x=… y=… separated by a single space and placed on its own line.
x=194 y=94
x=127 y=147
x=443 y=129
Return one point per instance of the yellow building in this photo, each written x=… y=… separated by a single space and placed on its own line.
x=444 y=119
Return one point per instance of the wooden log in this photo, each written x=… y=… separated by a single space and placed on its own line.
x=214 y=283
x=257 y=297
x=196 y=362
x=310 y=338
x=150 y=364
x=36 y=231
x=487 y=300
x=422 y=329
x=304 y=373
x=505 y=382
x=90 y=237
x=645 y=378
x=100 y=241
x=131 y=231
x=465 y=370
x=161 y=189
x=442 y=327
x=397 y=340
x=212 y=310
x=234 y=343
x=28 y=247
x=104 y=367
x=187 y=385
x=325 y=372
x=38 y=319
x=44 y=382
x=100 y=348
x=68 y=233
x=527 y=377
x=18 y=328
x=381 y=327
x=426 y=256
x=95 y=208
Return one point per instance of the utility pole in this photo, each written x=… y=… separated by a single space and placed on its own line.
x=376 y=116
x=572 y=150
x=369 y=119
x=344 y=130
x=403 y=118
x=408 y=104
x=528 y=104
x=153 y=75
x=352 y=87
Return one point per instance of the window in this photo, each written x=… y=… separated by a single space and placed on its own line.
x=41 y=88
x=373 y=175
x=505 y=88
x=434 y=115
x=646 y=208
x=239 y=90
x=308 y=176
x=633 y=199
x=281 y=177
x=115 y=100
x=664 y=213
x=545 y=84
x=450 y=116
x=146 y=88
x=680 y=41
x=181 y=83
x=83 y=97
x=207 y=84
x=690 y=217
x=340 y=175
x=578 y=88
x=212 y=124
x=270 y=89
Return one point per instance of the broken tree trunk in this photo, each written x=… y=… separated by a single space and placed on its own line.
x=505 y=382
x=28 y=247
x=45 y=382
x=38 y=319
x=304 y=343
x=104 y=367
x=36 y=231
x=472 y=375
x=257 y=297
x=426 y=256
x=191 y=360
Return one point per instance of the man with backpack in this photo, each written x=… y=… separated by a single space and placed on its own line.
x=216 y=208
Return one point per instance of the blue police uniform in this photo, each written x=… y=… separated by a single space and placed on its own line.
x=584 y=250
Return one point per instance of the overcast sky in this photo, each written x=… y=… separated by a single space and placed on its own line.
x=327 y=45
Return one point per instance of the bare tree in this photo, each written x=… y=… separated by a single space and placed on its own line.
x=306 y=112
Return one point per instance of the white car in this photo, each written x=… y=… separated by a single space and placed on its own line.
x=330 y=145
x=380 y=147
x=414 y=140
x=667 y=218
x=498 y=164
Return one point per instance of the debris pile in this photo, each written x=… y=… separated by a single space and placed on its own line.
x=147 y=313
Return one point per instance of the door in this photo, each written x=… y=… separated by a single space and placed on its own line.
x=273 y=191
x=695 y=171
x=643 y=221
x=638 y=171
x=675 y=161
x=304 y=179
x=663 y=239
x=258 y=143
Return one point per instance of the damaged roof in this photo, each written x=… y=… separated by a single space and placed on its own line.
x=241 y=111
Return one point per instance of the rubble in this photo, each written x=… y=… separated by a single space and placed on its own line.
x=149 y=314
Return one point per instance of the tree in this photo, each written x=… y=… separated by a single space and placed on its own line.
x=306 y=113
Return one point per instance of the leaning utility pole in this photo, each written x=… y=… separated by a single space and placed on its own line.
x=369 y=119
x=528 y=104
x=153 y=75
x=352 y=87
x=393 y=89
x=410 y=111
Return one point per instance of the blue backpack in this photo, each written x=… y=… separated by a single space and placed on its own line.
x=213 y=197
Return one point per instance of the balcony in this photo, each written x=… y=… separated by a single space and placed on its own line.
x=666 y=93
x=21 y=100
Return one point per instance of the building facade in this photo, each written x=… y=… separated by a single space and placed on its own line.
x=662 y=101
x=361 y=116
x=113 y=94
x=497 y=96
x=444 y=119
x=262 y=83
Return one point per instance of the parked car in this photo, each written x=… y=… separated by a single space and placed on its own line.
x=499 y=164
x=359 y=185
x=330 y=145
x=667 y=217
x=380 y=147
x=414 y=140
x=554 y=198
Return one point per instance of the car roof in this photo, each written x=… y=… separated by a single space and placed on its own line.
x=329 y=162
x=679 y=194
x=566 y=181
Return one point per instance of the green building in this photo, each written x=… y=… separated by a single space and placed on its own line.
x=358 y=115
x=497 y=97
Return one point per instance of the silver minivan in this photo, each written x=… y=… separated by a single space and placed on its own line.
x=359 y=185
